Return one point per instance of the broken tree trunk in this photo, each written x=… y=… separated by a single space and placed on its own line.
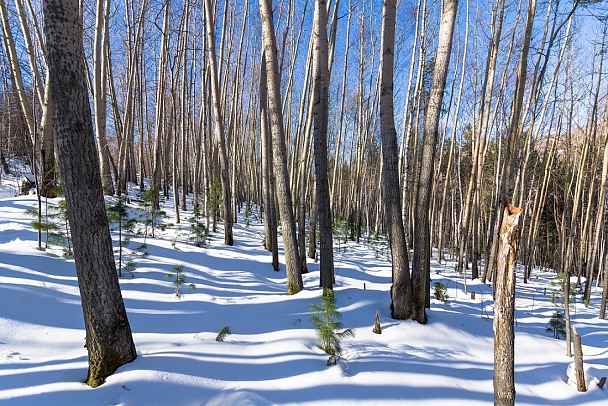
x=504 y=306
x=578 y=362
x=377 y=328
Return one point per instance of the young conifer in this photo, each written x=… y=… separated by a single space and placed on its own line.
x=326 y=321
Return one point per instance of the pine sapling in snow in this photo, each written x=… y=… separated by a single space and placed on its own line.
x=326 y=321
x=118 y=215
x=199 y=232
x=222 y=334
x=179 y=280
x=441 y=292
x=557 y=325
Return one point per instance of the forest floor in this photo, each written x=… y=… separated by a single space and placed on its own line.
x=272 y=356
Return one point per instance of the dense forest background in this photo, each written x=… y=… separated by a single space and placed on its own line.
x=175 y=96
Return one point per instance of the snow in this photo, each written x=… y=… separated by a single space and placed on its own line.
x=272 y=356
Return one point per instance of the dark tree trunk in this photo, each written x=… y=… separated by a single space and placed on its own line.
x=266 y=162
x=108 y=334
x=401 y=290
x=320 y=112
x=268 y=189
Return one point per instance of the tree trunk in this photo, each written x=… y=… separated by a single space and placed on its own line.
x=292 y=263
x=513 y=135
x=320 y=113
x=604 y=290
x=504 y=308
x=421 y=262
x=100 y=94
x=401 y=290
x=108 y=334
x=268 y=184
x=219 y=125
x=581 y=386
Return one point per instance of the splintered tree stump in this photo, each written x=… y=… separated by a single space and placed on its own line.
x=601 y=383
x=377 y=328
x=578 y=362
x=504 y=308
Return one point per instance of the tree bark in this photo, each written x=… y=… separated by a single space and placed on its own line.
x=108 y=335
x=581 y=386
x=401 y=290
x=268 y=184
x=513 y=135
x=421 y=262
x=100 y=94
x=504 y=308
x=320 y=113
x=219 y=125
x=292 y=263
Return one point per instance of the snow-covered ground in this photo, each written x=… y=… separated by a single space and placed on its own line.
x=272 y=355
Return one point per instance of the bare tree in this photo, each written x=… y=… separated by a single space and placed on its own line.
x=401 y=290
x=292 y=263
x=422 y=243
x=219 y=125
x=321 y=106
x=100 y=74
x=108 y=335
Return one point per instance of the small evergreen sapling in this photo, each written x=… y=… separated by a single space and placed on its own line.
x=199 y=232
x=222 y=334
x=326 y=321
x=441 y=292
x=177 y=273
x=153 y=215
x=118 y=215
x=557 y=325
x=51 y=224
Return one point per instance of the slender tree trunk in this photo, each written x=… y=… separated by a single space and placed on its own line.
x=219 y=125
x=401 y=290
x=294 y=271
x=100 y=94
x=160 y=101
x=513 y=135
x=604 y=290
x=108 y=335
x=422 y=243
x=268 y=185
x=321 y=107
x=41 y=136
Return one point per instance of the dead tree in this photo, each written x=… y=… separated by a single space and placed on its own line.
x=504 y=307
x=578 y=362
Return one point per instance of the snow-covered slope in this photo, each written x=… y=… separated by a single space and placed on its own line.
x=271 y=357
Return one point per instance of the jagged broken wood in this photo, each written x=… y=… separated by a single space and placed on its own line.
x=504 y=306
x=578 y=362
x=377 y=328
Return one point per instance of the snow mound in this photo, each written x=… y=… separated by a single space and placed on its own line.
x=237 y=398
